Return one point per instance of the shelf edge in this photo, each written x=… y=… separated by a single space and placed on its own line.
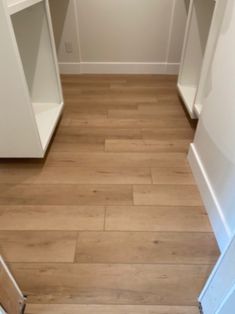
x=21 y=5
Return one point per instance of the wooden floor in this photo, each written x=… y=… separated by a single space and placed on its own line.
x=111 y=222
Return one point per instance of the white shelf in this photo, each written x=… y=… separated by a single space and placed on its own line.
x=15 y=6
x=188 y=94
x=46 y=116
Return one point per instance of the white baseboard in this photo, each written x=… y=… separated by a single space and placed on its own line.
x=220 y=227
x=118 y=68
x=172 y=68
x=69 y=68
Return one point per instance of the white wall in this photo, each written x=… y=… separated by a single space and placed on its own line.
x=122 y=36
x=214 y=145
x=65 y=29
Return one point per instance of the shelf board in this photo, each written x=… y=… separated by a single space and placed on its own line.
x=188 y=93
x=47 y=116
x=15 y=6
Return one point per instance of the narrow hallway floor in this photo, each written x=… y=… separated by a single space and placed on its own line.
x=111 y=222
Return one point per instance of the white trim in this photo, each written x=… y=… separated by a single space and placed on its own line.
x=172 y=68
x=226 y=299
x=215 y=272
x=17 y=6
x=11 y=277
x=221 y=229
x=118 y=68
x=2 y=311
x=122 y=68
x=69 y=68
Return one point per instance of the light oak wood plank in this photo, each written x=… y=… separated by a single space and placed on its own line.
x=63 y=122
x=80 y=147
x=173 y=175
x=147 y=248
x=75 y=105
x=51 y=217
x=76 y=134
x=180 y=146
x=117 y=160
x=94 y=97
x=157 y=218
x=143 y=112
x=65 y=194
x=143 y=87
x=161 y=108
x=86 y=114
x=144 y=94
x=125 y=97
x=166 y=194
x=35 y=246
x=108 y=309
x=111 y=283
x=75 y=175
x=168 y=134
x=127 y=123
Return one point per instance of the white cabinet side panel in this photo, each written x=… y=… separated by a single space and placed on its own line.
x=209 y=53
x=198 y=29
x=18 y=133
x=33 y=38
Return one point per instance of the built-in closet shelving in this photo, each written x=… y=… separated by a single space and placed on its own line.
x=31 y=96
x=200 y=37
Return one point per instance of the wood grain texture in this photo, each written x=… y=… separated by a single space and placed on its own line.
x=108 y=309
x=111 y=283
x=76 y=175
x=87 y=145
x=74 y=135
x=129 y=123
x=118 y=160
x=150 y=113
x=168 y=134
x=170 y=146
x=157 y=218
x=51 y=217
x=35 y=246
x=146 y=247
x=173 y=175
x=167 y=194
x=65 y=194
x=111 y=220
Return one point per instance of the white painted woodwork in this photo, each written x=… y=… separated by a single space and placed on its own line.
x=15 y=6
x=218 y=294
x=209 y=53
x=12 y=300
x=195 y=44
x=215 y=141
x=228 y=305
x=31 y=96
